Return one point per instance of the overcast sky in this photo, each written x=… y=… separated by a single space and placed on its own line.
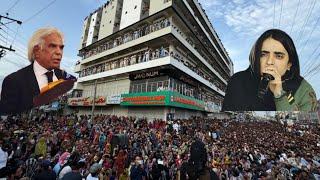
x=238 y=23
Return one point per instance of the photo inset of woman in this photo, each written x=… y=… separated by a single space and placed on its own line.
x=272 y=82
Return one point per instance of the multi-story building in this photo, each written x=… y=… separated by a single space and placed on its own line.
x=150 y=58
x=301 y=117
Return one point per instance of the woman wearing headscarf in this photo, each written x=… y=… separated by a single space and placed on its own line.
x=41 y=147
x=273 y=81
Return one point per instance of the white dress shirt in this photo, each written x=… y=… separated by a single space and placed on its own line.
x=41 y=77
x=3 y=158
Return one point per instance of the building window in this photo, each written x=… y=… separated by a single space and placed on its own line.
x=135 y=7
x=126 y=12
x=149 y=87
x=110 y=22
x=143 y=87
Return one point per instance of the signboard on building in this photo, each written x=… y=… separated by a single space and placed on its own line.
x=144 y=100
x=162 y=98
x=114 y=99
x=212 y=107
x=146 y=75
x=87 y=101
x=163 y=72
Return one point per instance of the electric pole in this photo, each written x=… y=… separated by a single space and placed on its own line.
x=3 y=49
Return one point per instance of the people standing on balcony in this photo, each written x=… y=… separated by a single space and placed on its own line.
x=153 y=55
x=140 y=57
x=128 y=37
x=133 y=59
x=126 y=61
x=146 y=56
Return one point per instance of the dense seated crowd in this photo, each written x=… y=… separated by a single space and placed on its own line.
x=111 y=147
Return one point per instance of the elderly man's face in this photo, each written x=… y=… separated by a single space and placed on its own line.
x=50 y=55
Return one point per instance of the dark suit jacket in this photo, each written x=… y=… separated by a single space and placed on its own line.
x=19 y=88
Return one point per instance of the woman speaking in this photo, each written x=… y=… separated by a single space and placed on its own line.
x=272 y=82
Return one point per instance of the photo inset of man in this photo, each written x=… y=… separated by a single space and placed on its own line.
x=45 y=50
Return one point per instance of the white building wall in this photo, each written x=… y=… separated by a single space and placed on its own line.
x=108 y=19
x=91 y=28
x=151 y=64
x=158 y=5
x=106 y=89
x=84 y=32
x=113 y=87
x=131 y=11
x=149 y=112
x=88 y=90
x=107 y=110
x=186 y=113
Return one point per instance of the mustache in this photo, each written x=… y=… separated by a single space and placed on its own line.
x=57 y=57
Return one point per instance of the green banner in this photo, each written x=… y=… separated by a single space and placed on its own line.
x=162 y=98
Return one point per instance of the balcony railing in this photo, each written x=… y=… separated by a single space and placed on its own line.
x=132 y=35
x=146 y=56
x=137 y=58
x=190 y=41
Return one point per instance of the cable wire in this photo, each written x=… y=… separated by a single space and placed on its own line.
x=295 y=16
x=307 y=19
x=40 y=11
x=315 y=67
x=274 y=12
x=12 y=62
x=13 y=5
x=310 y=34
x=280 y=13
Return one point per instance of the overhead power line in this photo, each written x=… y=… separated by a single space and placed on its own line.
x=307 y=19
x=310 y=34
x=280 y=13
x=13 y=5
x=40 y=11
x=274 y=13
x=10 y=20
x=315 y=68
x=3 y=49
x=14 y=32
x=10 y=37
x=295 y=15
x=18 y=46
x=13 y=62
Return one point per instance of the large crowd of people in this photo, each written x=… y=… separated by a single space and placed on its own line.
x=111 y=147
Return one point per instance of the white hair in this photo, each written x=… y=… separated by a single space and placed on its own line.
x=38 y=39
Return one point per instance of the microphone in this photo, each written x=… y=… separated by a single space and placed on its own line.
x=263 y=86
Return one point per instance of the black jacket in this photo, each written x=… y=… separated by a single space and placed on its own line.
x=242 y=94
x=19 y=88
x=45 y=174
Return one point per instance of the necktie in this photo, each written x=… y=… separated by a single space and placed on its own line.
x=49 y=75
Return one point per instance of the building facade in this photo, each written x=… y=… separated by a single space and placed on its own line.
x=150 y=58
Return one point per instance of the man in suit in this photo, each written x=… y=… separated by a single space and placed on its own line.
x=45 y=50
